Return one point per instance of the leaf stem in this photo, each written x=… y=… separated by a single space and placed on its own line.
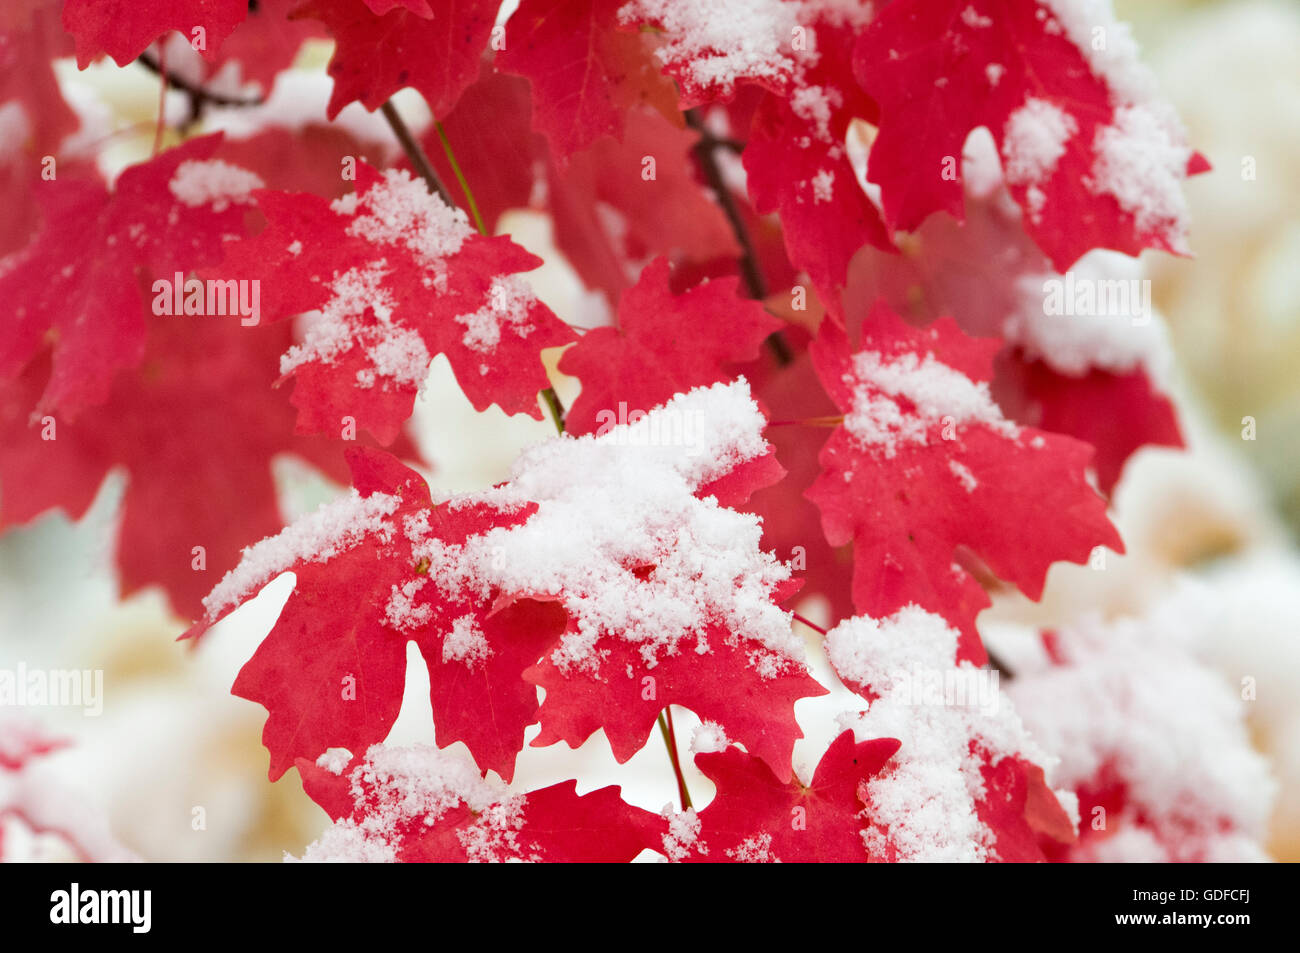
x=555 y=407
x=670 y=741
x=415 y=153
x=809 y=422
x=161 y=125
x=460 y=178
x=812 y=625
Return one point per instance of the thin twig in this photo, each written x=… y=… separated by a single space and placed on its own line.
x=415 y=153
x=749 y=267
x=199 y=95
x=812 y=625
x=670 y=741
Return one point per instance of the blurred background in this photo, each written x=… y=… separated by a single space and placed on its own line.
x=1214 y=526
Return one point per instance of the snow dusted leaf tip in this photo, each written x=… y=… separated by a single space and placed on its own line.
x=1062 y=108
x=395 y=276
x=967 y=783
x=757 y=818
x=421 y=805
x=925 y=463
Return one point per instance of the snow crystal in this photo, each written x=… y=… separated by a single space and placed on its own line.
x=466 y=642
x=394 y=789
x=332 y=529
x=334 y=330
x=611 y=505
x=709 y=736
x=213 y=182
x=334 y=760
x=1141 y=164
x=823 y=184
x=399 y=354
x=401 y=611
x=509 y=301
x=755 y=849
x=923 y=803
x=814 y=104
x=973 y=19
x=393 y=352
x=963 y=475
x=400 y=210
x=683 y=835
x=934 y=391
x=1033 y=141
x=494 y=835
x=720 y=42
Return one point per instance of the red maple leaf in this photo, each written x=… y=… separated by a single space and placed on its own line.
x=925 y=463
x=757 y=818
x=757 y=711
x=263 y=45
x=378 y=54
x=947 y=268
x=1091 y=163
x=332 y=671
x=27 y=47
x=201 y=405
x=90 y=308
x=585 y=73
x=1118 y=413
x=798 y=166
x=398 y=277
x=411 y=805
x=124 y=29
x=642 y=363
x=619 y=204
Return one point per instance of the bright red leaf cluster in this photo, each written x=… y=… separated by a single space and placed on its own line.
x=851 y=211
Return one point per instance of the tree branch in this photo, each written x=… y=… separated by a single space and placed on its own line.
x=199 y=96
x=750 y=271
